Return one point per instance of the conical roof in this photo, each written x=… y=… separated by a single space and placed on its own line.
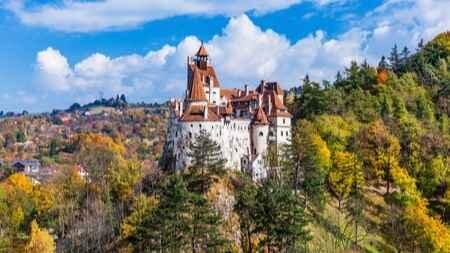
x=260 y=117
x=202 y=51
x=197 y=92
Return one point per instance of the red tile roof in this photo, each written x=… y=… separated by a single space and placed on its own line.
x=196 y=92
x=197 y=113
x=260 y=117
x=203 y=73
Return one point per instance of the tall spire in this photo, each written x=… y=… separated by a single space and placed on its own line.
x=201 y=57
x=202 y=51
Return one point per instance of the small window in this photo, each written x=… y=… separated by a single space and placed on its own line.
x=287 y=133
x=261 y=134
x=200 y=126
x=270 y=133
x=281 y=133
x=192 y=125
x=190 y=135
x=284 y=121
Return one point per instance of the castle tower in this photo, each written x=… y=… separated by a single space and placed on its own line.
x=201 y=58
x=260 y=132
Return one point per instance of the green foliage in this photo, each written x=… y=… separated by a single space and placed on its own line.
x=206 y=162
x=280 y=216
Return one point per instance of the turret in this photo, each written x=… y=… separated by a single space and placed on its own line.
x=260 y=132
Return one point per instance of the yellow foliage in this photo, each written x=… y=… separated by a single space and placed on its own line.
x=20 y=182
x=427 y=228
x=405 y=182
x=40 y=240
x=142 y=207
x=91 y=141
x=341 y=174
x=44 y=198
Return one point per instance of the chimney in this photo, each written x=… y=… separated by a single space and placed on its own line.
x=205 y=114
x=269 y=105
x=181 y=108
x=246 y=89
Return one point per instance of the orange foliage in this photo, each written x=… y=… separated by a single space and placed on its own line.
x=382 y=76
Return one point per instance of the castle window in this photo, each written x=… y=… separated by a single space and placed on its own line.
x=281 y=133
x=261 y=134
x=284 y=121
x=287 y=133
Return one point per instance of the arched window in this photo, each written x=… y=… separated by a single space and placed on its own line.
x=284 y=121
x=261 y=133
x=190 y=135
x=270 y=133
x=200 y=125
x=281 y=133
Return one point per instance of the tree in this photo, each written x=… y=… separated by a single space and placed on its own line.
x=305 y=163
x=342 y=173
x=281 y=218
x=40 y=240
x=379 y=150
x=204 y=224
x=167 y=228
x=394 y=59
x=245 y=206
x=383 y=64
x=355 y=204
x=206 y=162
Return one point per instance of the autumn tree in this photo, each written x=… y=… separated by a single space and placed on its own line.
x=341 y=175
x=40 y=240
x=379 y=150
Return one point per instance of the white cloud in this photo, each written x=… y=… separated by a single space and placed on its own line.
x=242 y=53
x=245 y=53
x=405 y=22
x=88 y=16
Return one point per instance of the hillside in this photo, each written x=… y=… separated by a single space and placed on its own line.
x=368 y=170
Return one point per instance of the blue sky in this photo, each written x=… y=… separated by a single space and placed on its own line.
x=55 y=53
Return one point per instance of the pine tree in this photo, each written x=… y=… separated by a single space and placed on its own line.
x=167 y=228
x=204 y=224
x=394 y=59
x=245 y=207
x=280 y=216
x=383 y=64
x=206 y=162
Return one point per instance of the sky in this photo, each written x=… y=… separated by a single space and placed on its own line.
x=57 y=52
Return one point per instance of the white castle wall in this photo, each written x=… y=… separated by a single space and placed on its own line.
x=233 y=137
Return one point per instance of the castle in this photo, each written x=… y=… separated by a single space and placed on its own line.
x=243 y=122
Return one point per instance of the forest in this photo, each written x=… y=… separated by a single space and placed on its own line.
x=367 y=170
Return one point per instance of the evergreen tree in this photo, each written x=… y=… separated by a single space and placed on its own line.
x=204 y=224
x=394 y=59
x=206 y=162
x=281 y=218
x=245 y=207
x=167 y=228
x=383 y=64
